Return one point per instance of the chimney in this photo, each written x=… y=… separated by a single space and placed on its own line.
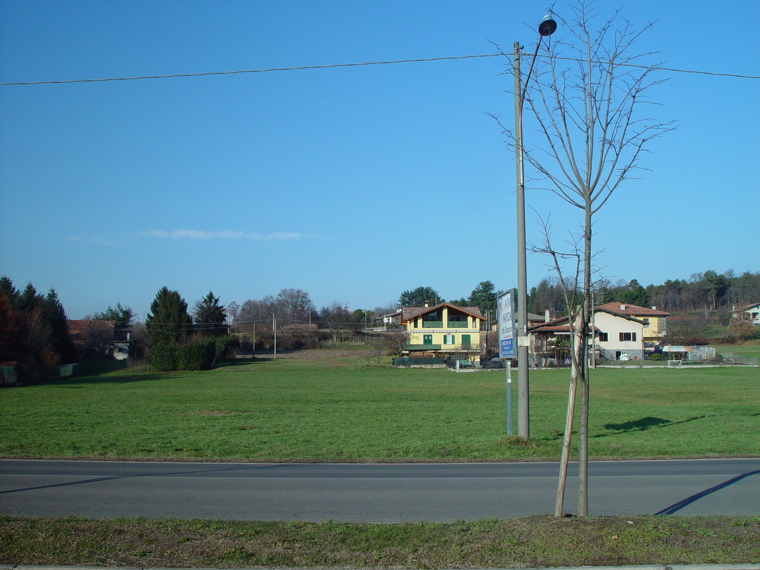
x=427 y=303
x=654 y=307
x=622 y=307
x=547 y=316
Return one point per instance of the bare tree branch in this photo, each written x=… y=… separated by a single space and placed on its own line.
x=586 y=98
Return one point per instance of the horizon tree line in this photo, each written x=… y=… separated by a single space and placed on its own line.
x=34 y=327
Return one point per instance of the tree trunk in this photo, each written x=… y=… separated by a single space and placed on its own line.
x=571 y=396
x=584 y=378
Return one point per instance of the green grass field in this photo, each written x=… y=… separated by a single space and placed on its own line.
x=749 y=349
x=351 y=410
x=356 y=410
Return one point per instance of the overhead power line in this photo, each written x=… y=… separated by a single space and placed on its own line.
x=338 y=65
x=241 y=71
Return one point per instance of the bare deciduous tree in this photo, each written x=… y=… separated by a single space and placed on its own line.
x=586 y=98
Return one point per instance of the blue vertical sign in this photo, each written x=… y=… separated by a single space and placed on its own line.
x=507 y=325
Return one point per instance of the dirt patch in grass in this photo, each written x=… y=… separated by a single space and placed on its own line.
x=324 y=353
x=530 y=542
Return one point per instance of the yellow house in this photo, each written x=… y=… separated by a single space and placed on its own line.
x=442 y=330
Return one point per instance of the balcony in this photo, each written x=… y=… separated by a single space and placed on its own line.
x=441 y=324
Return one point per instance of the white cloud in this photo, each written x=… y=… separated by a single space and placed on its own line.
x=94 y=239
x=225 y=234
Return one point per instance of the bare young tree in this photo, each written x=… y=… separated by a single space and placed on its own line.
x=586 y=96
x=396 y=341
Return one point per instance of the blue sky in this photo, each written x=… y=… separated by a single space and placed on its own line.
x=353 y=184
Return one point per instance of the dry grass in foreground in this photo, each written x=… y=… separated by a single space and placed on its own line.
x=529 y=542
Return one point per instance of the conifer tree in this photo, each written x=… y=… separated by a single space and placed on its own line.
x=168 y=321
x=210 y=316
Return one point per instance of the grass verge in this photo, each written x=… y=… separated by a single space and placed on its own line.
x=531 y=542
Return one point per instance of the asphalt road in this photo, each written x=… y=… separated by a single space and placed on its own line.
x=371 y=492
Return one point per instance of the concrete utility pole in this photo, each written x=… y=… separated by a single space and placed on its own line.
x=545 y=28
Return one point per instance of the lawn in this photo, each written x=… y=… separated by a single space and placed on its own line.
x=748 y=349
x=356 y=410
x=352 y=409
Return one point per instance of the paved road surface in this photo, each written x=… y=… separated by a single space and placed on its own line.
x=371 y=492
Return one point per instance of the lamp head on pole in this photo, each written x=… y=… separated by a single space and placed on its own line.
x=547 y=26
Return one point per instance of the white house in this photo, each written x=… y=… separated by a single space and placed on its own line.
x=615 y=333
x=618 y=335
x=754 y=313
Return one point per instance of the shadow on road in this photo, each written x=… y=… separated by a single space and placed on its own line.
x=100 y=479
x=674 y=508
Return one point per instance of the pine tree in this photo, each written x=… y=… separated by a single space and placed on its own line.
x=168 y=321
x=58 y=342
x=419 y=296
x=210 y=316
x=11 y=348
x=122 y=316
x=484 y=297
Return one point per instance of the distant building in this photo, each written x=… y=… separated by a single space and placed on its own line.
x=442 y=330
x=754 y=313
x=618 y=331
x=97 y=339
x=612 y=335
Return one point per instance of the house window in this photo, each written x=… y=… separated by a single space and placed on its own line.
x=646 y=322
x=627 y=336
x=427 y=339
x=466 y=342
x=604 y=337
x=448 y=339
x=458 y=321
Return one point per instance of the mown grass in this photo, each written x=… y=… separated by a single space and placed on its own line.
x=748 y=349
x=350 y=410
x=533 y=542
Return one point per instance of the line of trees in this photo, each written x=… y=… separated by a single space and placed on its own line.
x=294 y=308
x=33 y=327
x=180 y=342
x=710 y=291
x=483 y=296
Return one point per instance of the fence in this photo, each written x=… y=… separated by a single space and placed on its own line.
x=11 y=374
x=731 y=358
x=406 y=361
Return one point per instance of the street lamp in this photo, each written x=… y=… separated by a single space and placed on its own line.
x=545 y=28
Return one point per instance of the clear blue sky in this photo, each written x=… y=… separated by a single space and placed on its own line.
x=352 y=184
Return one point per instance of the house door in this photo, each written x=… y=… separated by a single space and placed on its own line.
x=427 y=339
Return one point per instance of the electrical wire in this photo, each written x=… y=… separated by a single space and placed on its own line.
x=339 y=65
x=241 y=71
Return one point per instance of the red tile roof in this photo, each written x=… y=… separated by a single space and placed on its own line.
x=630 y=310
x=408 y=313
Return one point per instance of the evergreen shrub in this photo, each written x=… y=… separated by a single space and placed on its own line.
x=163 y=356
x=225 y=347
x=196 y=354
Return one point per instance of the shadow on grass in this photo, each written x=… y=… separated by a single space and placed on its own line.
x=141 y=374
x=114 y=378
x=643 y=424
